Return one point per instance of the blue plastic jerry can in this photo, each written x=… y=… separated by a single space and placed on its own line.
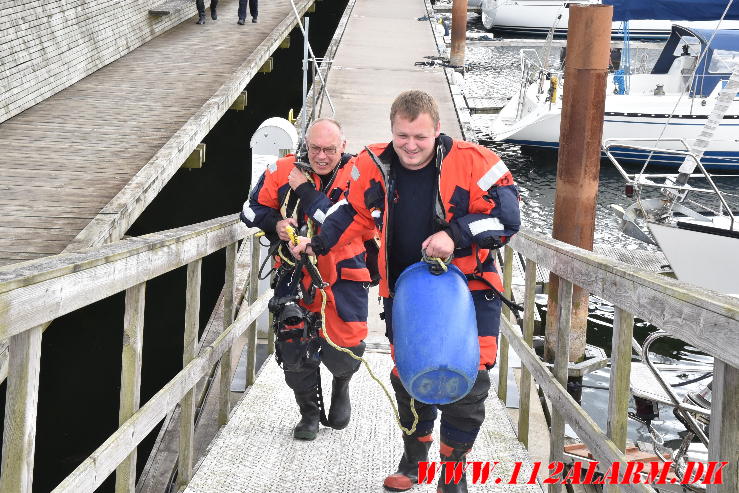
x=437 y=352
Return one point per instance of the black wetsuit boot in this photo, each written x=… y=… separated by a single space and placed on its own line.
x=200 y=4
x=415 y=450
x=341 y=407
x=456 y=459
x=307 y=427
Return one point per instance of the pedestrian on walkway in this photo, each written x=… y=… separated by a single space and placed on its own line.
x=426 y=191
x=200 y=4
x=289 y=196
x=253 y=10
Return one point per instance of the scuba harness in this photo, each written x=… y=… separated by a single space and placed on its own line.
x=295 y=328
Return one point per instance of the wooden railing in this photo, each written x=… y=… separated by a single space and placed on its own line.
x=706 y=320
x=33 y=295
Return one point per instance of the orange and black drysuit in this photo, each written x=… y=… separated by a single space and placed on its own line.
x=476 y=202
x=343 y=267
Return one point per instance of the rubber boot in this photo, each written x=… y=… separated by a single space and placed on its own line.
x=213 y=14
x=341 y=407
x=201 y=19
x=307 y=427
x=456 y=458
x=415 y=450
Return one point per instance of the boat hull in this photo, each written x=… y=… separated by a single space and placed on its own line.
x=536 y=18
x=704 y=258
x=538 y=126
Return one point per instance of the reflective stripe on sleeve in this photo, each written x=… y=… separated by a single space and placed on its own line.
x=335 y=207
x=492 y=176
x=484 y=225
x=248 y=212
x=319 y=216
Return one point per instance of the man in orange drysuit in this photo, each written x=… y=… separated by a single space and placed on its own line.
x=426 y=191
x=288 y=196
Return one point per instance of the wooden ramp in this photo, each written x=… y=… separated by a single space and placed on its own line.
x=255 y=451
x=80 y=167
x=375 y=61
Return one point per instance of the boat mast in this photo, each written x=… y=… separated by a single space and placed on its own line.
x=725 y=98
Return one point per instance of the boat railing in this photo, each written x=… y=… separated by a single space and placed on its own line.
x=35 y=293
x=532 y=71
x=706 y=320
x=643 y=180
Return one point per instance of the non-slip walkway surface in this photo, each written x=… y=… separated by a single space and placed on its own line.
x=79 y=167
x=255 y=451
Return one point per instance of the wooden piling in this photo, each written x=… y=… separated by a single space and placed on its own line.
x=578 y=166
x=459 y=33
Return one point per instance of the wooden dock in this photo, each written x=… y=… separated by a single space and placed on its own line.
x=78 y=169
x=255 y=451
x=375 y=61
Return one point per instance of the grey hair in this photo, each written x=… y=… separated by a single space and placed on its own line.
x=320 y=120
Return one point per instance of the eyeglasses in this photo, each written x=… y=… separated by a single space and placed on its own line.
x=316 y=150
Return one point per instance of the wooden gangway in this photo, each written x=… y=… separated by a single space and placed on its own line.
x=376 y=59
x=79 y=168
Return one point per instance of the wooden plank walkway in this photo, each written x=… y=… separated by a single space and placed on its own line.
x=376 y=61
x=79 y=168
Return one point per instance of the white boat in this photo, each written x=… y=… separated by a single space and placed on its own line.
x=665 y=109
x=537 y=17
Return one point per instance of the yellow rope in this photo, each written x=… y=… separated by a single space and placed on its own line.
x=284 y=257
x=372 y=374
x=294 y=240
x=443 y=262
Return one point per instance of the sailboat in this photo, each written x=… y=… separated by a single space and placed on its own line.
x=538 y=17
x=666 y=108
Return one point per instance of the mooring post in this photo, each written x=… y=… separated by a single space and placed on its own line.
x=459 y=33
x=578 y=166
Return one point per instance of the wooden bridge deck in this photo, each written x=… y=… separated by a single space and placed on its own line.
x=80 y=167
x=376 y=61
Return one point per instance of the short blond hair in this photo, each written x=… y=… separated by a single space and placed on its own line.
x=410 y=104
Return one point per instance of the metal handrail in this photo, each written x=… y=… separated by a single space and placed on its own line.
x=687 y=153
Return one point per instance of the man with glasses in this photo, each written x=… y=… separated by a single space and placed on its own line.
x=286 y=196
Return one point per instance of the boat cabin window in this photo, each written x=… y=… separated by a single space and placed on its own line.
x=723 y=61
